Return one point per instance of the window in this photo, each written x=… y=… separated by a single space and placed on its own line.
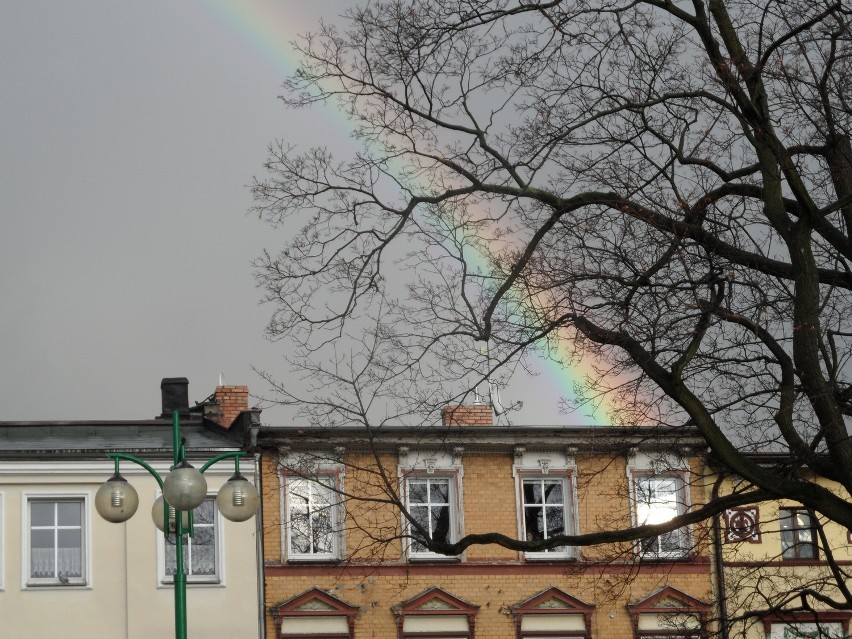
x=311 y=518
x=200 y=551
x=798 y=534
x=546 y=513
x=808 y=631
x=660 y=498
x=431 y=503
x=56 y=536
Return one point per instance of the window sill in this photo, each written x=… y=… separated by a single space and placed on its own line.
x=549 y=557
x=433 y=559
x=661 y=559
x=313 y=560
x=795 y=561
x=194 y=583
x=56 y=586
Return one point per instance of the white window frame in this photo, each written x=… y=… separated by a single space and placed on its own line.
x=548 y=465
x=331 y=480
x=565 y=478
x=218 y=577
x=452 y=508
x=33 y=583
x=681 y=503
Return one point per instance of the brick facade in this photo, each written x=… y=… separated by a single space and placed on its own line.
x=375 y=574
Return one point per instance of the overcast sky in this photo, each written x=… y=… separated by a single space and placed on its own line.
x=129 y=133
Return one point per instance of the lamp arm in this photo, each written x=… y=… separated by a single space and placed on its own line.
x=117 y=456
x=235 y=454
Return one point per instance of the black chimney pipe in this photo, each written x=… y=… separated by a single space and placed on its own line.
x=175 y=391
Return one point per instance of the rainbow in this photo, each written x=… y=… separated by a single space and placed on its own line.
x=265 y=29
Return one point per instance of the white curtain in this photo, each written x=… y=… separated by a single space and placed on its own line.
x=44 y=563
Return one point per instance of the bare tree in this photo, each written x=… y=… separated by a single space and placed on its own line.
x=663 y=187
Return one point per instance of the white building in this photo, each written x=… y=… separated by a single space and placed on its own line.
x=66 y=572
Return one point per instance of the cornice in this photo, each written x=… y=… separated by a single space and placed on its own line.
x=105 y=467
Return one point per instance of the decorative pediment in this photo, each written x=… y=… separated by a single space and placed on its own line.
x=668 y=610
x=668 y=599
x=314 y=602
x=553 y=599
x=435 y=600
x=553 y=611
x=435 y=611
x=670 y=602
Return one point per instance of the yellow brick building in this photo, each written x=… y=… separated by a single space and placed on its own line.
x=779 y=560
x=342 y=559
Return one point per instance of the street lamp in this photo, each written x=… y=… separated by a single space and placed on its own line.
x=184 y=488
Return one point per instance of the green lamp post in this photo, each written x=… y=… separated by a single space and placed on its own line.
x=184 y=488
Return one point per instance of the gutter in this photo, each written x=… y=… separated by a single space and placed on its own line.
x=259 y=549
x=721 y=593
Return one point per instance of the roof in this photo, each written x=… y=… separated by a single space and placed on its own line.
x=91 y=439
x=480 y=437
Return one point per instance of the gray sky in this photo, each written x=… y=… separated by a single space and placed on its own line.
x=129 y=133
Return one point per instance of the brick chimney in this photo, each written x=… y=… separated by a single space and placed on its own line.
x=232 y=401
x=473 y=415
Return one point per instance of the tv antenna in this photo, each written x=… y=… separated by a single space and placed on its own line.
x=501 y=410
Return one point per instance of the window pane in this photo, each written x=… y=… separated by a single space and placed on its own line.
x=440 y=491
x=532 y=492
x=42 y=513
x=70 y=538
x=42 y=562
x=204 y=514
x=300 y=530
x=69 y=513
x=659 y=500
x=555 y=522
x=553 y=492
x=199 y=551
x=797 y=534
x=323 y=538
x=441 y=523
x=671 y=541
x=299 y=490
x=419 y=514
x=41 y=539
x=534 y=522
x=69 y=562
x=429 y=506
x=171 y=556
x=418 y=492
x=544 y=511
x=312 y=517
x=202 y=551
